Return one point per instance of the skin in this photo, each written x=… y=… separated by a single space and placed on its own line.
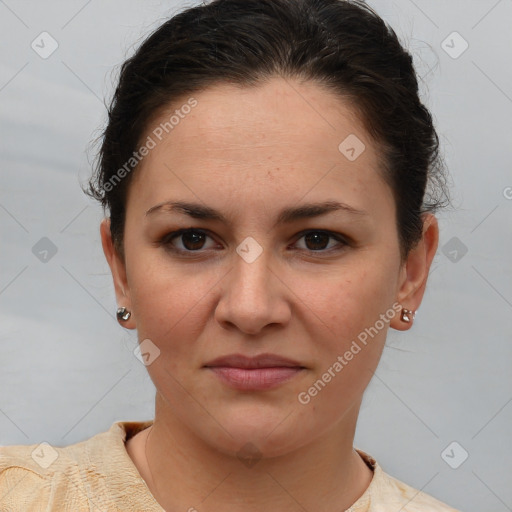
x=249 y=152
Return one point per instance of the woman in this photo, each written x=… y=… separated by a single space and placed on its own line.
x=265 y=168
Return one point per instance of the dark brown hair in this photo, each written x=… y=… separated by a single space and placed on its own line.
x=342 y=45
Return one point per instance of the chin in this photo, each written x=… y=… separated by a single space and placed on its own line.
x=257 y=432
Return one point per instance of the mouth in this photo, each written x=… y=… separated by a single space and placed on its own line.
x=263 y=372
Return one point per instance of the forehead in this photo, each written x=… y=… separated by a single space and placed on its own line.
x=279 y=137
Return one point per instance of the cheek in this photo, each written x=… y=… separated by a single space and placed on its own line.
x=172 y=303
x=167 y=298
x=352 y=302
x=349 y=353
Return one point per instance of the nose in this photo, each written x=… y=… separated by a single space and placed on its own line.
x=253 y=296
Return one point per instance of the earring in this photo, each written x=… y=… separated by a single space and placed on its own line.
x=406 y=315
x=123 y=314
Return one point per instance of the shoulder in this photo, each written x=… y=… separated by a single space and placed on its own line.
x=45 y=477
x=24 y=484
x=387 y=492
x=413 y=500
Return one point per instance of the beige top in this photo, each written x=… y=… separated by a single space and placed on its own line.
x=98 y=475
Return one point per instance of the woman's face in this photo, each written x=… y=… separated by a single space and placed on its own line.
x=262 y=276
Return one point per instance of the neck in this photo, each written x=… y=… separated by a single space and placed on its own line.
x=184 y=473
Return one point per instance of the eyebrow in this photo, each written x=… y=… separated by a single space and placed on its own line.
x=287 y=215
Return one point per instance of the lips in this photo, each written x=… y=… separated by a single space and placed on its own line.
x=260 y=361
x=263 y=372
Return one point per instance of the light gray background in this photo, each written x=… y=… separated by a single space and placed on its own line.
x=67 y=368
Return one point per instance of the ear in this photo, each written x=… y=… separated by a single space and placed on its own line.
x=118 y=269
x=414 y=271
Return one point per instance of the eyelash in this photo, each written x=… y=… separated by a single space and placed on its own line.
x=168 y=238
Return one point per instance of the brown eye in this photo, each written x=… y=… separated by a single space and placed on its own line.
x=318 y=241
x=192 y=240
